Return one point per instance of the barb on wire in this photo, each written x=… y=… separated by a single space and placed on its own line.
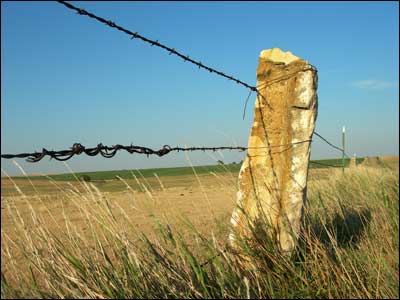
x=155 y=43
x=109 y=152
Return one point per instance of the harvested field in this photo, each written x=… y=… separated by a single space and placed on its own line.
x=346 y=215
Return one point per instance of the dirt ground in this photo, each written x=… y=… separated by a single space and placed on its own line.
x=201 y=200
x=204 y=200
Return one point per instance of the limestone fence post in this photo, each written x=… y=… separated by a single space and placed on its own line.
x=273 y=176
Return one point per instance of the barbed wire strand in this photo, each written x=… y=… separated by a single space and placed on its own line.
x=186 y=58
x=173 y=51
x=78 y=148
x=109 y=152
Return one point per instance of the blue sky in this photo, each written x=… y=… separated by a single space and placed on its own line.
x=66 y=78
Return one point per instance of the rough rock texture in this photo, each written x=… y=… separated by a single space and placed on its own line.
x=273 y=176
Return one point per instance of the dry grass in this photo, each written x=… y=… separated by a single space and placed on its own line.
x=84 y=243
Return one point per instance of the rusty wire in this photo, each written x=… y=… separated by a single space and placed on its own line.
x=109 y=152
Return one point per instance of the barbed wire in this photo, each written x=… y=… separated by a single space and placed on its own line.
x=186 y=58
x=173 y=51
x=109 y=152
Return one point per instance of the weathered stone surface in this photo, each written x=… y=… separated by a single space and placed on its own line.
x=273 y=176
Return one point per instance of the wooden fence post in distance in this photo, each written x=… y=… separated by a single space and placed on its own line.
x=273 y=176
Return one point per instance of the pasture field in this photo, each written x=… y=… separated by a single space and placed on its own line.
x=179 y=171
x=147 y=236
x=106 y=181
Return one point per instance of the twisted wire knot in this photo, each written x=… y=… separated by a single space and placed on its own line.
x=165 y=150
x=77 y=148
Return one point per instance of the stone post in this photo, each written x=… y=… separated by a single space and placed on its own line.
x=273 y=176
